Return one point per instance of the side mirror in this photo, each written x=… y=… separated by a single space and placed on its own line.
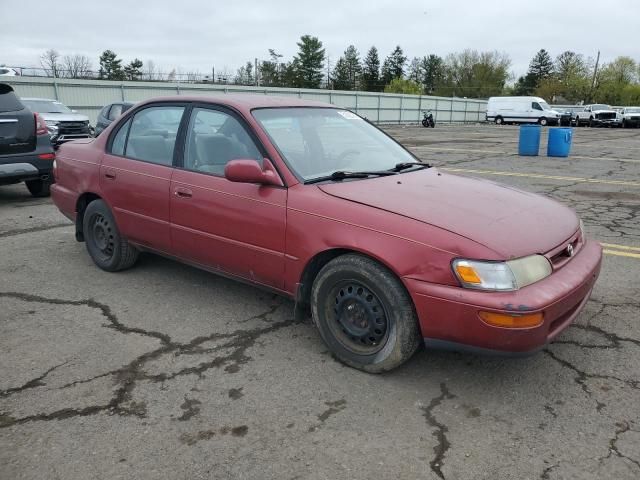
x=249 y=171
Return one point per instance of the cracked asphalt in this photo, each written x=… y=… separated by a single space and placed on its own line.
x=165 y=371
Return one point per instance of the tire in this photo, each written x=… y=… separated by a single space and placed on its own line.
x=577 y=121
x=39 y=188
x=382 y=331
x=499 y=121
x=543 y=121
x=591 y=122
x=105 y=245
x=624 y=124
x=425 y=123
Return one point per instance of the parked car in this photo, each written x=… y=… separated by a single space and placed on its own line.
x=315 y=203
x=109 y=113
x=630 y=117
x=8 y=72
x=597 y=115
x=63 y=123
x=26 y=154
x=521 y=110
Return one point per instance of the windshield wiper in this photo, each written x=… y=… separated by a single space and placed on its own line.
x=404 y=165
x=341 y=175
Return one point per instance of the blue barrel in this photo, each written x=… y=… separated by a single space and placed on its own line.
x=559 y=142
x=529 y=143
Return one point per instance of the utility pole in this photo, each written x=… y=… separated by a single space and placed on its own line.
x=256 y=72
x=213 y=74
x=595 y=74
x=328 y=72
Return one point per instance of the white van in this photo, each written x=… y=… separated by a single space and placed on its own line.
x=521 y=110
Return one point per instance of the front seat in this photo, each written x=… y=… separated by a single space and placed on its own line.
x=215 y=151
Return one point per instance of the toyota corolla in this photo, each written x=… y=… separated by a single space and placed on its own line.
x=315 y=203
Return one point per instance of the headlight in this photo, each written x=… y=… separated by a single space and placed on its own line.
x=51 y=123
x=501 y=276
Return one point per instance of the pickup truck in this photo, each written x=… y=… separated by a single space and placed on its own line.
x=630 y=117
x=597 y=115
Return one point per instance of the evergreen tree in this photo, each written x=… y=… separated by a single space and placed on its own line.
x=353 y=65
x=341 y=78
x=111 y=66
x=393 y=66
x=415 y=70
x=309 y=63
x=133 y=71
x=540 y=68
x=433 y=73
x=371 y=71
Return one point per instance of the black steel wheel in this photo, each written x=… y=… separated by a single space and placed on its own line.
x=364 y=314
x=105 y=245
x=359 y=318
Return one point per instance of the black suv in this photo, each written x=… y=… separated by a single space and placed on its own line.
x=26 y=152
x=109 y=113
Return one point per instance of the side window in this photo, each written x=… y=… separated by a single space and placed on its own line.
x=117 y=147
x=115 y=111
x=536 y=106
x=213 y=139
x=153 y=132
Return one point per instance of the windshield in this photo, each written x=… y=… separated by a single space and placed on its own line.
x=46 y=106
x=600 y=106
x=632 y=110
x=316 y=142
x=544 y=105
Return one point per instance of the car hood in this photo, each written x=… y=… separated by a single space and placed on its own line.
x=511 y=222
x=604 y=111
x=65 y=117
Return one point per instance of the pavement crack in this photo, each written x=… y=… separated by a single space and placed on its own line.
x=440 y=432
x=22 y=231
x=33 y=383
x=103 y=308
x=621 y=427
x=334 y=407
x=126 y=378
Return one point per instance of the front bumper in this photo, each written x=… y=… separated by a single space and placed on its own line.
x=610 y=122
x=449 y=315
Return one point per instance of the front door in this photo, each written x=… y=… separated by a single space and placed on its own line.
x=136 y=172
x=238 y=228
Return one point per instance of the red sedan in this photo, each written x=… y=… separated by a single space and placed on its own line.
x=314 y=202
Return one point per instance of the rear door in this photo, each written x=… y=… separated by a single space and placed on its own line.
x=17 y=124
x=136 y=171
x=238 y=228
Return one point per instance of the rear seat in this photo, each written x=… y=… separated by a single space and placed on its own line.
x=154 y=148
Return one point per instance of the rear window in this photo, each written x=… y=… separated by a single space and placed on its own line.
x=9 y=101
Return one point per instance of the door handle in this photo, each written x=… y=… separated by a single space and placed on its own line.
x=183 y=192
x=110 y=174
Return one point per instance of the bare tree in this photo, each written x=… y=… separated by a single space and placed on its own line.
x=50 y=61
x=193 y=76
x=150 y=71
x=76 y=66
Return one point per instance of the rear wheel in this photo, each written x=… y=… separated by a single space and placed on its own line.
x=364 y=314
x=39 y=188
x=105 y=245
x=499 y=121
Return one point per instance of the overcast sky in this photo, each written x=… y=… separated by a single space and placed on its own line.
x=193 y=35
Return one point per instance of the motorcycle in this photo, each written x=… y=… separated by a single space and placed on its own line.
x=428 y=120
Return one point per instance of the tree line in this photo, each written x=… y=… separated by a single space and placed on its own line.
x=570 y=77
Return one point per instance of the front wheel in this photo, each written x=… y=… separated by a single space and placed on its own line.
x=543 y=121
x=499 y=121
x=105 y=245
x=364 y=314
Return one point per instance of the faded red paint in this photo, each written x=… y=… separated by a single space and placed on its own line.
x=415 y=223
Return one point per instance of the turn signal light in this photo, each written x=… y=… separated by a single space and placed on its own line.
x=507 y=320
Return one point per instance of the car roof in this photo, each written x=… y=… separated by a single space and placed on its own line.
x=245 y=101
x=41 y=99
